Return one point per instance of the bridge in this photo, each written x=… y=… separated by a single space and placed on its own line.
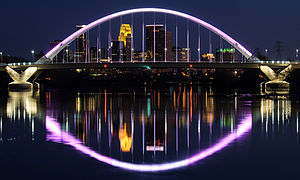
x=133 y=65
x=156 y=48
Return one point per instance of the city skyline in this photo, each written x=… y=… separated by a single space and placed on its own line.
x=251 y=34
x=120 y=50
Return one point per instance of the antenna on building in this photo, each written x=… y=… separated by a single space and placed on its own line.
x=278 y=50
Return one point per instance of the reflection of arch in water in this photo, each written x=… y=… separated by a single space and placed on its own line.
x=57 y=134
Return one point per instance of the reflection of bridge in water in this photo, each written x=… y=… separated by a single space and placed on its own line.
x=150 y=126
x=277 y=113
x=156 y=127
x=20 y=116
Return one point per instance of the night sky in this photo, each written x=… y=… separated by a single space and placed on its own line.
x=31 y=24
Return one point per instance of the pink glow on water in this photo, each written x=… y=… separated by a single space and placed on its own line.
x=57 y=135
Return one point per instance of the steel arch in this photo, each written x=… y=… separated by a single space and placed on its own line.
x=52 y=53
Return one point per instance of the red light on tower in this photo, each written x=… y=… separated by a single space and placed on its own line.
x=191 y=65
x=105 y=66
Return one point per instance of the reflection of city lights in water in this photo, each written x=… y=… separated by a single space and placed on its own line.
x=125 y=140
x=297 y=123
x=57 y=135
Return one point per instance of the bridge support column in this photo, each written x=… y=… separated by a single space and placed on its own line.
x=276 y=85
x=20 y=80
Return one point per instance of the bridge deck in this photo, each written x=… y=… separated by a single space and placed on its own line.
x=209 y=65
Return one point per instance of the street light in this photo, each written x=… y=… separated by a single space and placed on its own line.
x=297 y=54
x=67 y=54
x=1 y=57
x=32 y=53
x=99 y=55
x=266 y=54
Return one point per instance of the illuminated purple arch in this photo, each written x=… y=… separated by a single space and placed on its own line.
x=52 y=53
x=57 y=135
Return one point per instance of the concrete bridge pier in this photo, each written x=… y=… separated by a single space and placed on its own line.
x=276 y=83
x=20 y=80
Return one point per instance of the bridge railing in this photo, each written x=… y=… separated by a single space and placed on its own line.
x=157 y=62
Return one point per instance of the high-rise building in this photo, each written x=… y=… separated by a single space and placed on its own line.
x=125 y=37
x=138 y=55
x=81 y=46
x=59 y=56
x=39 y=55
x=64 y=55
x=54 y=43
x=125 y=31
x=227 y=54
x=93 y=53
x=182 y=53
x=208 y=57
x=103 y=54
x=117 y=49
x=186 y=54
x=162 y=44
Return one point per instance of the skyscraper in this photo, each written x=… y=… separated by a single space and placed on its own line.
x=182 y=53
x=63 y=55
x=93 y=54
x=81 y=46
x=125 y=31
x=125 y=37
x=208 y=57
x=186 y=52
x=59 y=56
x=117 y=49
x=227 y=54
x=163 y=42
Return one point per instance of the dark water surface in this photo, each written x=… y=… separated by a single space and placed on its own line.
x=196 y=132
